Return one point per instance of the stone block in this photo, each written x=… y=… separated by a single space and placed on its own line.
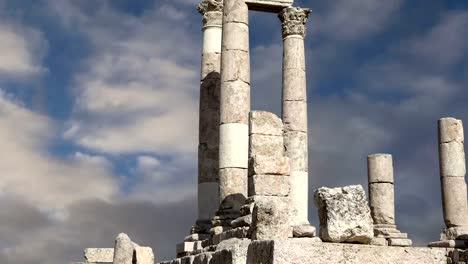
x=344 y=214
x=273 y=6
x=299 y=196
x=452 y=159
x=295 y=116
x=235 y=96
x=266 y=145
x=123 y=250
x=399 y=242
x=187 y=260
x=235 y=11
x=186 y=247
x=381 y=197
x=380 y=168
x=379 y=241
x=144 y=255
x=270 y=218
x=269 y=185
x=236 y=37
x=294 y=85
x=99 y=254
x=233 y=146
x=296 y=149
x=239 y=232
x=265 y=123
x=235 y=66
x=233 y=188
x=303 y=231
x=269 y=165
x=235 y=251
x=450 y=129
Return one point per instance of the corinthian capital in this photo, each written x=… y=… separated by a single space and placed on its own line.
x=212 y=11
x=294 y=20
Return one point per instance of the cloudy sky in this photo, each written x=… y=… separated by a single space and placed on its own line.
x=98 y=113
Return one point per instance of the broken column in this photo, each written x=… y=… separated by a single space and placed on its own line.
x=269 y=184
x=208 y=148
x=452 y=178
x=235 y=106
x=294 y=109
x=382 y=201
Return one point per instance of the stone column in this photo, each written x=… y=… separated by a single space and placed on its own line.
x=208 y=148
x=452 y=177
x=381 y=190
x=235 y=106
x=294 y=108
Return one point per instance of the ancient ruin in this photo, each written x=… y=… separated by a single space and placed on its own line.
x=253 y=170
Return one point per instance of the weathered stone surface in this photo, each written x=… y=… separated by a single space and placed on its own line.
x=208 y=158
x=381 y=201
x=203 y=258
x=450 y=129
x=295 y=116
x=235 y=99
x=380 y=168
x=449 y=244
x=293 y=55
x=247 y=209
x=295 y=144
x=188 y=246
x=235 y=66
x=294 y=85
x=269 y=185
x=303 y=250
x=399 y=242
x=294 y=20
x=379 y=241
x=236 y=36
x=123 y=250
x=304 y=231
x=454 y=202
x=270 y=218
x=245 y=220
x=269 y=165
x=266 y=145
x=144 y=255
x=452 y=159
x=239 y=232
x=210 y=69
x=273 y=6
x=265 y=123
x=235 y=11
x=99 y=254
x=233 y=188
x=299 y=196
x=344 y=214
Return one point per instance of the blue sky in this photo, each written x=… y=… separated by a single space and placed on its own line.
x=99 y=99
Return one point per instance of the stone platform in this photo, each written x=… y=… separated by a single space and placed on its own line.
x=309 y=251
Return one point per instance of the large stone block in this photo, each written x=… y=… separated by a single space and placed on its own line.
x=235 y=98
x=203 y=258
x=99 y=254
x=450 y=129
x=269 y=185
x=235 y=11
x=454 y=202
x=270 y=218
x=452 y=159
x=231 y=251
x=344 y=214
x=264 y=145
x=144 y=255
x=123 y=250
x=265 y=123
x=380 y=168
x=271 y=165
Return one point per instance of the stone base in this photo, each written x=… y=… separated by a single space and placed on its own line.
x=310 y=251
x=392 y=236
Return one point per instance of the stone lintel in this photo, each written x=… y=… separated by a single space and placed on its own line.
x=270 y=6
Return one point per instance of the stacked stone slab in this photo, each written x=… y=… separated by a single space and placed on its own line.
x=208 y=148
x=294 y=108
x=382 y=201
x=452 y=178
x=269 y=184
x=235 y=106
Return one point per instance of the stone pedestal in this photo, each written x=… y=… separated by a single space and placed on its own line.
x=208 y=147
x=294 y=109
x=452 y=178
x=235 y=106
x=382 y=201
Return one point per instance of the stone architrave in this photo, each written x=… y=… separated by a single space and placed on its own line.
x=234 y=106
x=452 y=177
x=273 y=6
x=208 y=148
x=382 y=201
x=344 y=214
x=294 y=108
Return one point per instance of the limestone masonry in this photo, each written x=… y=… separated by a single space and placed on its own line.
x=253 y=172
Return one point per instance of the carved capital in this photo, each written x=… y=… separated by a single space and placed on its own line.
x=294 y=20
x=212 y=11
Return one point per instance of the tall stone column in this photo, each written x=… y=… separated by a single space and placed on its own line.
x=235 y=106
x=452 y=178
x=294 y=108
x=208 y=148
